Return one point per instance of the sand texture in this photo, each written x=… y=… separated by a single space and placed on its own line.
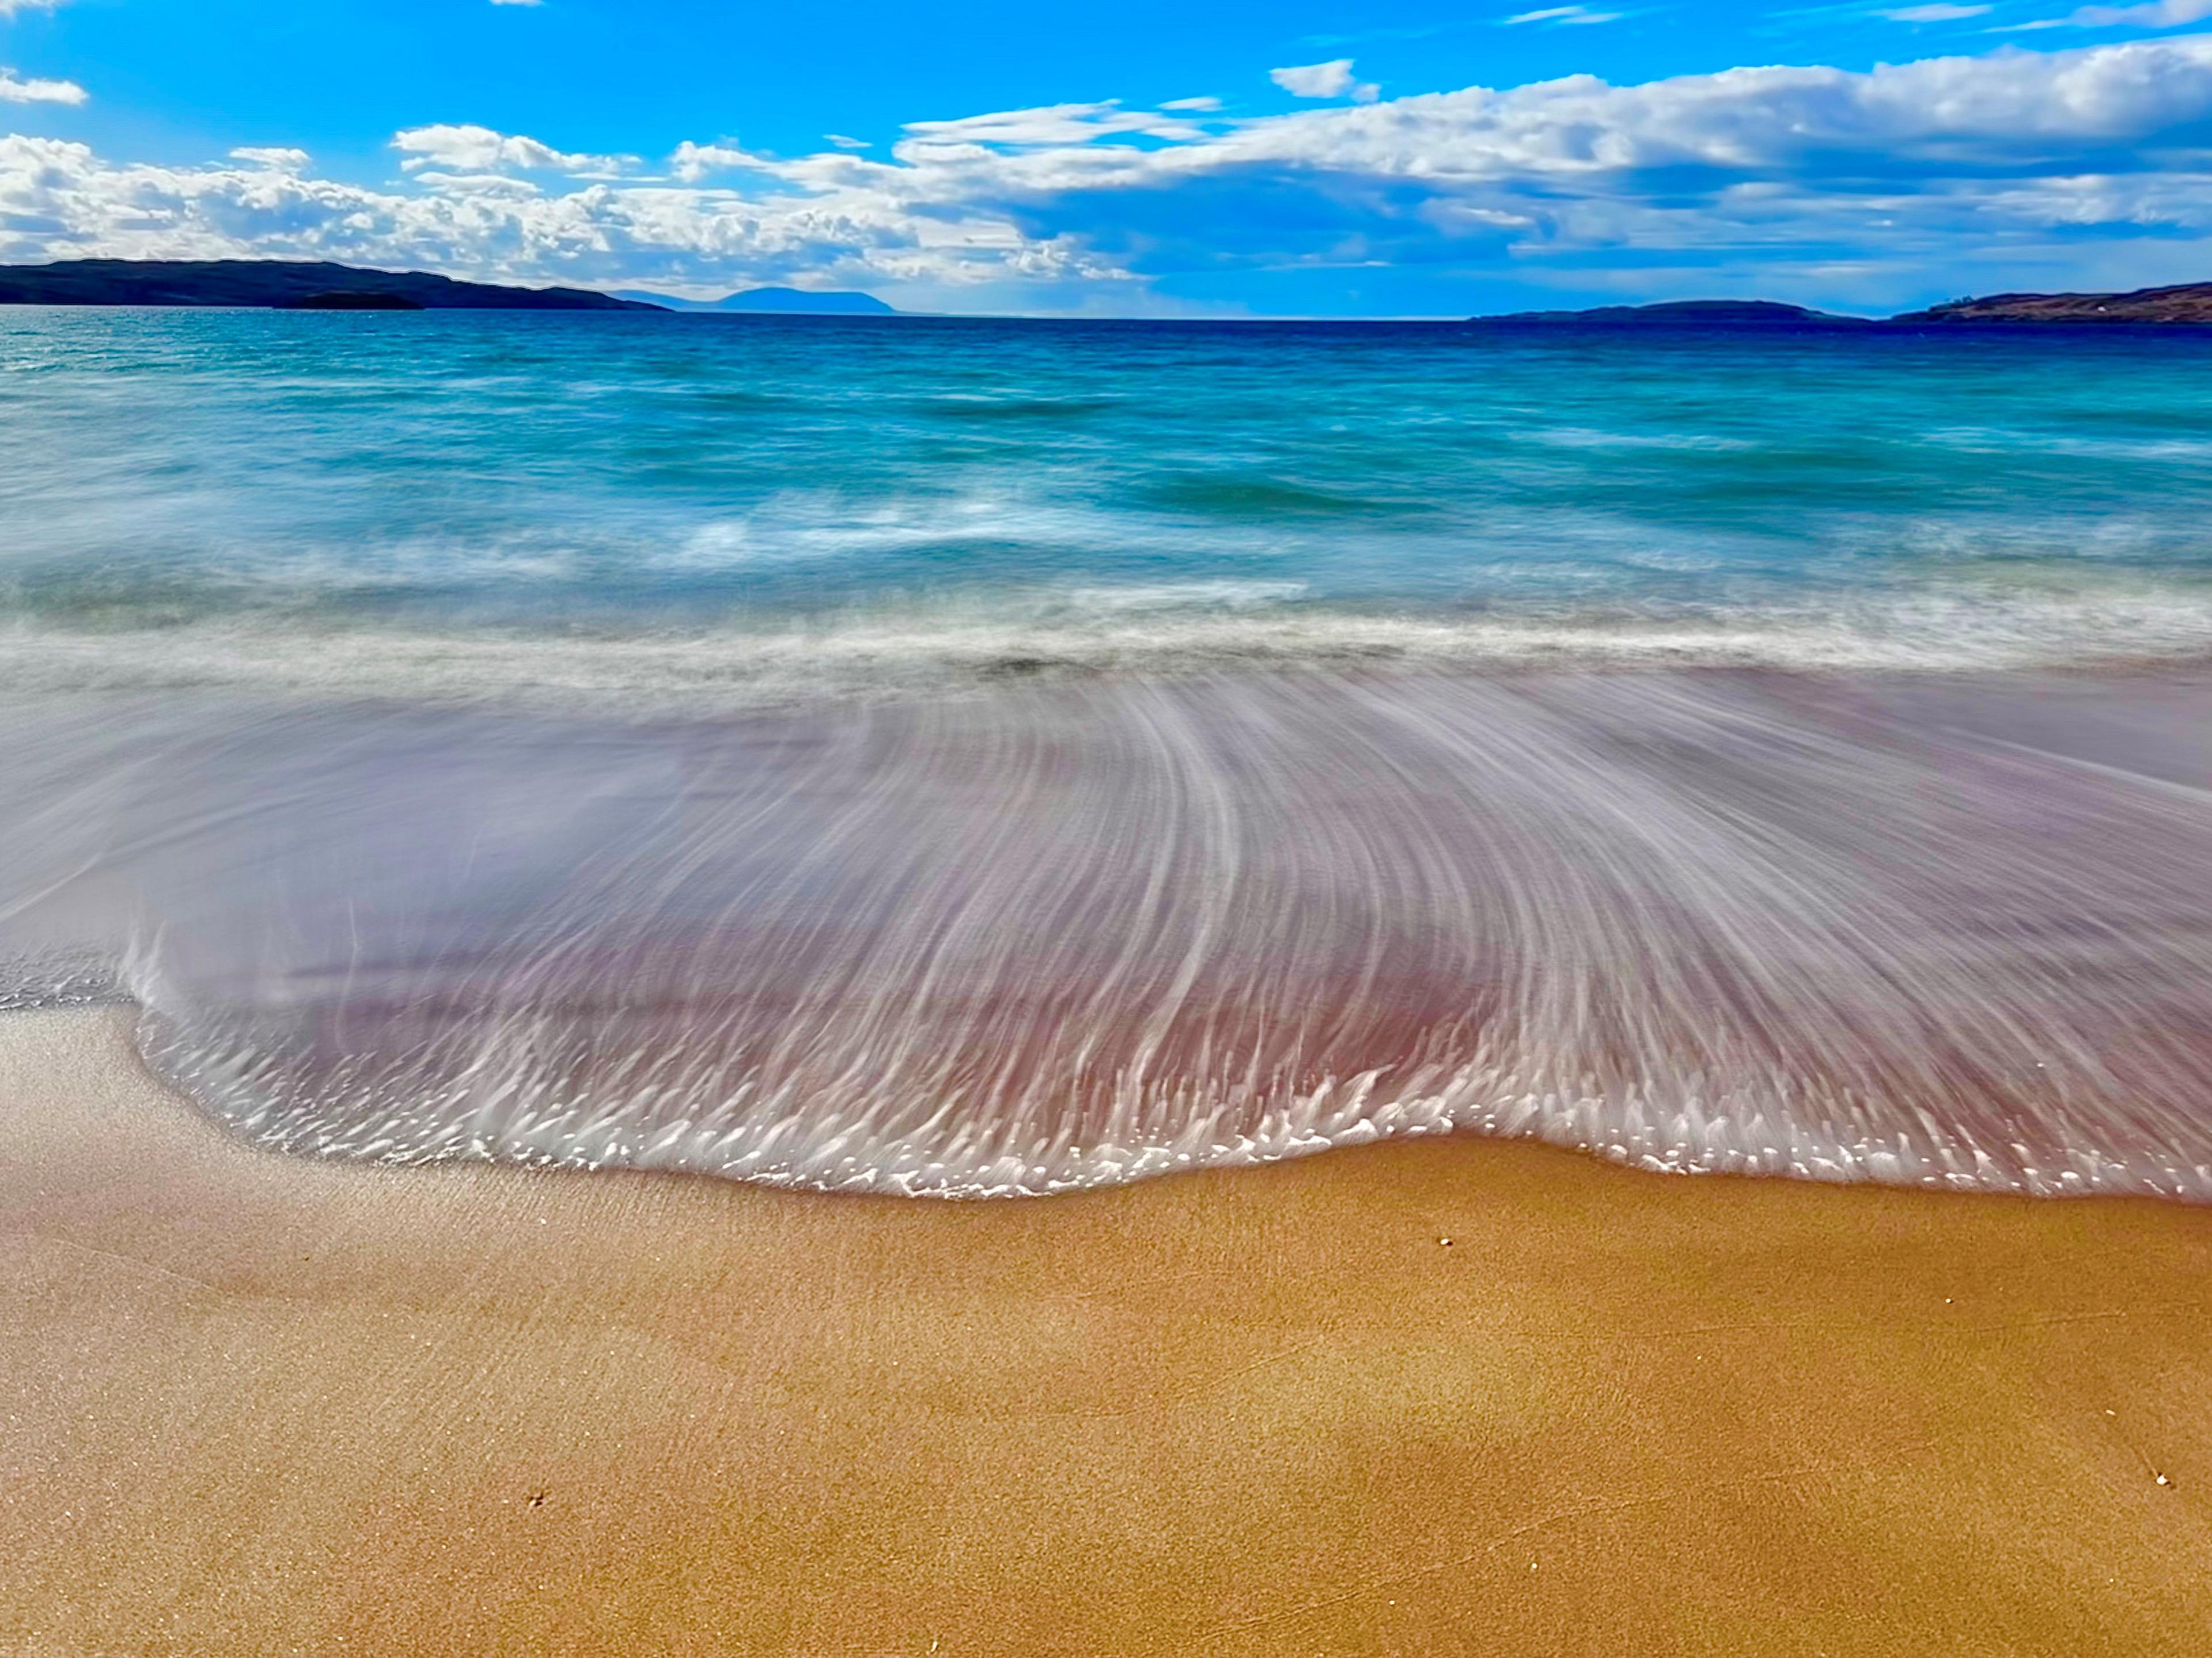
x=256 y=1404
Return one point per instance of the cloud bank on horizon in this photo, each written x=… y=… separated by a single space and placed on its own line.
x=1878 y=187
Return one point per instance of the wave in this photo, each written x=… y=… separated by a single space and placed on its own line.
x=1159 y=628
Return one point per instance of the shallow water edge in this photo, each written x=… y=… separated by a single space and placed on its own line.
x=1938 y=930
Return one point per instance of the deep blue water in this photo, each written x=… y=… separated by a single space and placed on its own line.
x=922 y=497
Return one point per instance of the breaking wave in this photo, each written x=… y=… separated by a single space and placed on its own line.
x=1137 y=629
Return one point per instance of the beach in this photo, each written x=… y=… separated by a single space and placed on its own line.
x=1101 y=989
x=258 y=1404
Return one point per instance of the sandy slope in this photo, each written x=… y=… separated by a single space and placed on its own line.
x=254 y=1405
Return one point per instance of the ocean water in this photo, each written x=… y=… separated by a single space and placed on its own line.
x=969 y=758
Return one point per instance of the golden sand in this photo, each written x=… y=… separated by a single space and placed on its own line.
x=255 y=1405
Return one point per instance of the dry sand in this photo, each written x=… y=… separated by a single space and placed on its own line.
x=260 y=1405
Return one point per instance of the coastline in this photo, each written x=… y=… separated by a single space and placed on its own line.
x=258 y=1404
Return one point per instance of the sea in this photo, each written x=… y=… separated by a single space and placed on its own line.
x=976 y=758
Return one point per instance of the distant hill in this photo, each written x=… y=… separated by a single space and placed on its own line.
x=2191 y=302
x=290 y=284
x=778 y=301
x=282 y=284
x=1676 y=313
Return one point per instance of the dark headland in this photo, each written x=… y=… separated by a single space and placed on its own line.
x=2189 y=304
x=282 y=284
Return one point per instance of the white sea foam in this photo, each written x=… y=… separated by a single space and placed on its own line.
x=1140 y=629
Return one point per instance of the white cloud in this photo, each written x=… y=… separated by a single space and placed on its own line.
x=60 y=199
x=2156 y=15
x=691 y=162
x=480 y=150
x=1878 y=183
x=1194 y=106
x=284 y=161
x=17 y=7
x=1051 y=126
x=479 y=184
x=1330 y=79
x=16 y=91
x=1564 y=16
x=1936 y=14
x=844 y=142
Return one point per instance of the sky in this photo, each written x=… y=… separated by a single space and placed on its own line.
x=1240 y=157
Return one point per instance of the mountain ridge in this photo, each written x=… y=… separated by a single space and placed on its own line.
x=1723 y=313
x=290 y=284
x=2184 y=305
x=279 y=284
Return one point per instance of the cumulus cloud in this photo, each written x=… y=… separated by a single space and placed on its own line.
x=471 y=150
x=284 y=161
x=60 y=199
x=1330 y=79
x=692 y=162
x=14 y=90
x=1847 y=181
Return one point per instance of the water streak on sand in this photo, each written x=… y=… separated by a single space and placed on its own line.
x=1049 y=938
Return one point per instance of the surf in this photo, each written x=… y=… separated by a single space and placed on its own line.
x=1050 y=937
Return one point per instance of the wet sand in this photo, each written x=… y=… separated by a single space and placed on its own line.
x=256 y=1405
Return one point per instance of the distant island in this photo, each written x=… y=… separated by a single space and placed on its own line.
x=1679 y=314
x=280 y=284
x=776 y=301
x=2190 y=304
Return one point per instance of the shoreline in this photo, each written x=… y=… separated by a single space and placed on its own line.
x=1054 y=939
x=717 y=669
x=255 y=1403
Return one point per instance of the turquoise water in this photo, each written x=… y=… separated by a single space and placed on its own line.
x=671 y=499
x=968 y=758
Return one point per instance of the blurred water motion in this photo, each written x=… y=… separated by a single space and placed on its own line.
x=973 y=758
x=1949 y=931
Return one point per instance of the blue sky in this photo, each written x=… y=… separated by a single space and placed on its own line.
x=1299 y=157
